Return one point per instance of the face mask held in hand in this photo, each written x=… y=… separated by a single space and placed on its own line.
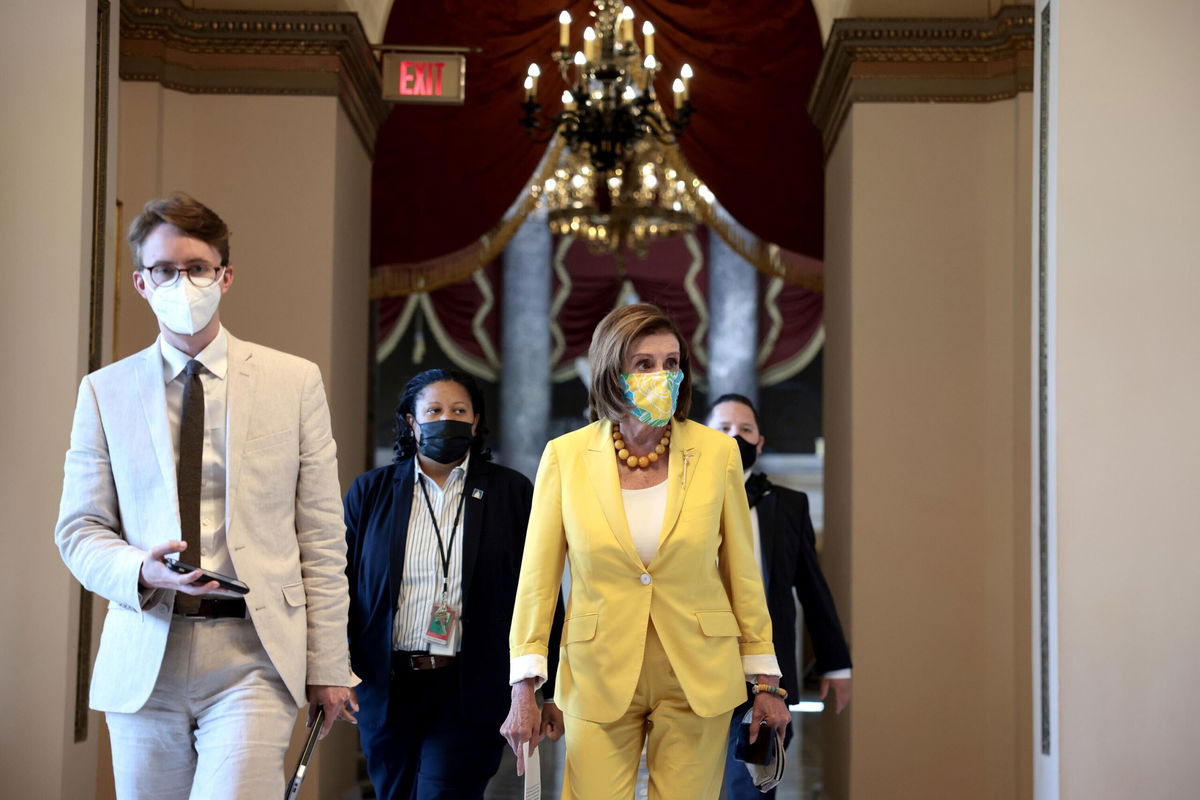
x=445 y=440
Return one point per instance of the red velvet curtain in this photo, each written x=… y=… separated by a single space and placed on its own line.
x=443 y=176
x=465 y=317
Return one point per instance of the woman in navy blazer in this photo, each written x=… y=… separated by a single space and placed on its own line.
x=431 y=711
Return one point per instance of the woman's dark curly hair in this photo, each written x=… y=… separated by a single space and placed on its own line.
x=405 y=445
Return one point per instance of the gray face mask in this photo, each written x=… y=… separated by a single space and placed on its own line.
x=445 y=440
x=749 y=452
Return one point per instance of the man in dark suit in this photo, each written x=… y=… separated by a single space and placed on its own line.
x=434 y=552
x=786 y=546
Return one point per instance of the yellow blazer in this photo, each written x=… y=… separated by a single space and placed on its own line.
x=703 y=590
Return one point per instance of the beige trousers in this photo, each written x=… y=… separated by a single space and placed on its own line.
x=685 y=753
x=216 y=725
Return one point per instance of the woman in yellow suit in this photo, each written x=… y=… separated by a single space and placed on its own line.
x=666 y=620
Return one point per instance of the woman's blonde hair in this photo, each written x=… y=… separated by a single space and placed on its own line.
x=611 y=341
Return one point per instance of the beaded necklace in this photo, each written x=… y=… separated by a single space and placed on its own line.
x=640 y=462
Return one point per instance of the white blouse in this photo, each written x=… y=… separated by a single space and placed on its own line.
x=644 y=511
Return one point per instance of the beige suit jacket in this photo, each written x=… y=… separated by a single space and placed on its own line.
x=283 y=520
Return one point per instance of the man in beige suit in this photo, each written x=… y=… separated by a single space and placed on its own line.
x=218 y=453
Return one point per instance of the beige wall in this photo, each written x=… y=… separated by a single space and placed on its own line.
x=46 y=148
x=837 y=555
x=291 y=178
x=1128 y=378
x=927 y=458
x=293 y=182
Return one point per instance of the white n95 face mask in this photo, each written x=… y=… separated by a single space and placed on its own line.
x=183 y=308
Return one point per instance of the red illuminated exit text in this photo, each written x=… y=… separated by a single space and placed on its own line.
x=423 y=78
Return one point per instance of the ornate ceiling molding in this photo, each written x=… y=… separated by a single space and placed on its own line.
x=254 y=52
x=921 y=61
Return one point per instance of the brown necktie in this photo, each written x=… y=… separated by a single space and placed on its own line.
x=191 y=459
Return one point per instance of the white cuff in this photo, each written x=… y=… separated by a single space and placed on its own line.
x=760 y=665
x=837 y=674
x=527 y=666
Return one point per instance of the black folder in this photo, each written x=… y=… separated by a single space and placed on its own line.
x=293 y=787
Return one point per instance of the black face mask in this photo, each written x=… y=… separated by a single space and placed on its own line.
x=445 y=440
x=748 y=451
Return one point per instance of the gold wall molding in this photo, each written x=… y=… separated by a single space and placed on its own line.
x=921 y=61
x=208 y=51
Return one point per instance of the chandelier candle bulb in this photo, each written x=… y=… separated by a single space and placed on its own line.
x=589 y=43
x=564 y=29
x=685 y=72
x=613 y=188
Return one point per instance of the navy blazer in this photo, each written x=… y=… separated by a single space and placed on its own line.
x=789 y=553
x=494 y=520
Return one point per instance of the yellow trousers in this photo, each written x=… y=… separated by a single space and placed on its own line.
x=685 y=753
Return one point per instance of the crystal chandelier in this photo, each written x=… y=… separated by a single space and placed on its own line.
x=612 y=187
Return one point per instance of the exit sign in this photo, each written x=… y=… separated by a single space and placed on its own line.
x=419 y=77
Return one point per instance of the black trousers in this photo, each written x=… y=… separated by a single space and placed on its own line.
x=427 y=748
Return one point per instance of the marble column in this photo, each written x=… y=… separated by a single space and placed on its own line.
x=525 y=346
x=733 y=322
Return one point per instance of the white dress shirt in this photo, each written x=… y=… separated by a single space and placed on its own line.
x=421 y=585
x=214 y=551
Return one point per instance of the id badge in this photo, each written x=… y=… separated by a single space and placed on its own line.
x=442 y=618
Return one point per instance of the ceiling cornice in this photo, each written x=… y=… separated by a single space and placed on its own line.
x=921 y=61
x=210 y=51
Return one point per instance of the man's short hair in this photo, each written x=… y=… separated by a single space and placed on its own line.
x=185 y=213
x=734 y=398
x=611 y=341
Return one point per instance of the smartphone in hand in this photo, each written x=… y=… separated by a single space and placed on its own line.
x=763 y=749
x=227 y=587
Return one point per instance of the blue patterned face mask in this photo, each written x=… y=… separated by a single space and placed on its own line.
x=653 y=395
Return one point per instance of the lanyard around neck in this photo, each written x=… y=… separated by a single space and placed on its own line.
x=444 y=549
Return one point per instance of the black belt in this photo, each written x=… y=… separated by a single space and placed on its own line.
x=416 y=660
x=212 y=608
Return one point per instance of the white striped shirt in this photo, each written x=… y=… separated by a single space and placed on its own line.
x=421 y=585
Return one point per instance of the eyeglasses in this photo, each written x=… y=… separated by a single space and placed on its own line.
x=201 y=275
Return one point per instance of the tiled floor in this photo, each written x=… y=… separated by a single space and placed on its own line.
x=802 y=780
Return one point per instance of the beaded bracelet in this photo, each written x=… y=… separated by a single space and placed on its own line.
x=766 y=688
